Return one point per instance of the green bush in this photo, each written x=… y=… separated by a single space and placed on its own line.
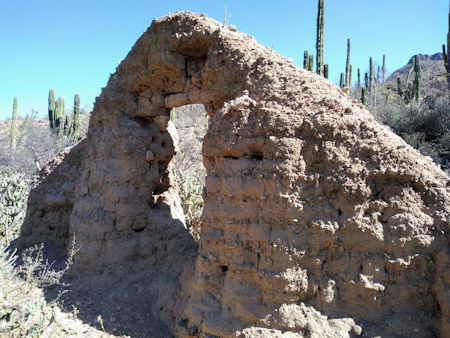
x=190 y=190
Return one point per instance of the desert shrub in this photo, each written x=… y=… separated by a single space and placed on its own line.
x=14 y=189
x=424 y=125
x=40 y=144
x=445 y=141
x=416 y=140
x=24 y=312
x=190 y=189
x=191 y=122
x=23 y=309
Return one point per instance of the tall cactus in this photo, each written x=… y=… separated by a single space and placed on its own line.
x=349 y=84
x=416 y=82
x=319 y=41
x=13 y=130
x=68 y=124
x=378 y=75
x=366 y=81
x=311 y=62
x=370 y=74
x=342 y=81
x=76 y=117
x=51 y=109
x=358 y=84
x=60 y=116
x=446 y=60
x=363 y=95
x=347 y=65
x=384 y=67
x=325 y=71
x=411 y=90
x=305 y=59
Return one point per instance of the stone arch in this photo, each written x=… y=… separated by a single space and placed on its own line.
x=127 y=177
x=311 y=207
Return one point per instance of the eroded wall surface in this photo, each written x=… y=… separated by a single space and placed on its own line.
x=317 y=219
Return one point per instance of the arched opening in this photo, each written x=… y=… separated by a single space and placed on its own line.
x=191 y=123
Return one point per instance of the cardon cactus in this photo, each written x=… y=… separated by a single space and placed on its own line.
x=51 y=109
x=311 y=62
x=76 y=117
x=347 y=66
x=325 y=71
x=363 y=95
x=358 y=83
x=319 y=41
x=60 y=116
x=13 y=131
x=305 y=59
x=444 y=52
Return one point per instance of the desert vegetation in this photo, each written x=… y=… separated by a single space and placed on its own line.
x=413 y=101
x=24 y=311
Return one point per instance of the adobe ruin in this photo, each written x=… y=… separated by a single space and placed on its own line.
x=317 y=219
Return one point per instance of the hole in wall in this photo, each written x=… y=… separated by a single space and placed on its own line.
x=191 y=122
x=256 y=155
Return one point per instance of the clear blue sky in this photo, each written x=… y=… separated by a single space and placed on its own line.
x=73 y=46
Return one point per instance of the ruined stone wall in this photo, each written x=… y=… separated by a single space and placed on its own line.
x=317 y=220
x=51 y=200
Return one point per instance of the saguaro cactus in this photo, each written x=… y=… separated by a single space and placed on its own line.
x=411 y=90
x=384 y=67
x=363 y=95
x=349 y=84
x=416 y=82
x=13 y=128
x=319 y=41
x=347 y=65
x=446 y=60
x=358 y=84
x=51 y=109
x=60 y=116
x=76 y=117
x=305 y=59
x=311 y=62
x=325 y=70
x=378 y=74
x=370 y=74
x=342 y=81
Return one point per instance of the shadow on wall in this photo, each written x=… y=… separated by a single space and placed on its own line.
x=134 y=303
